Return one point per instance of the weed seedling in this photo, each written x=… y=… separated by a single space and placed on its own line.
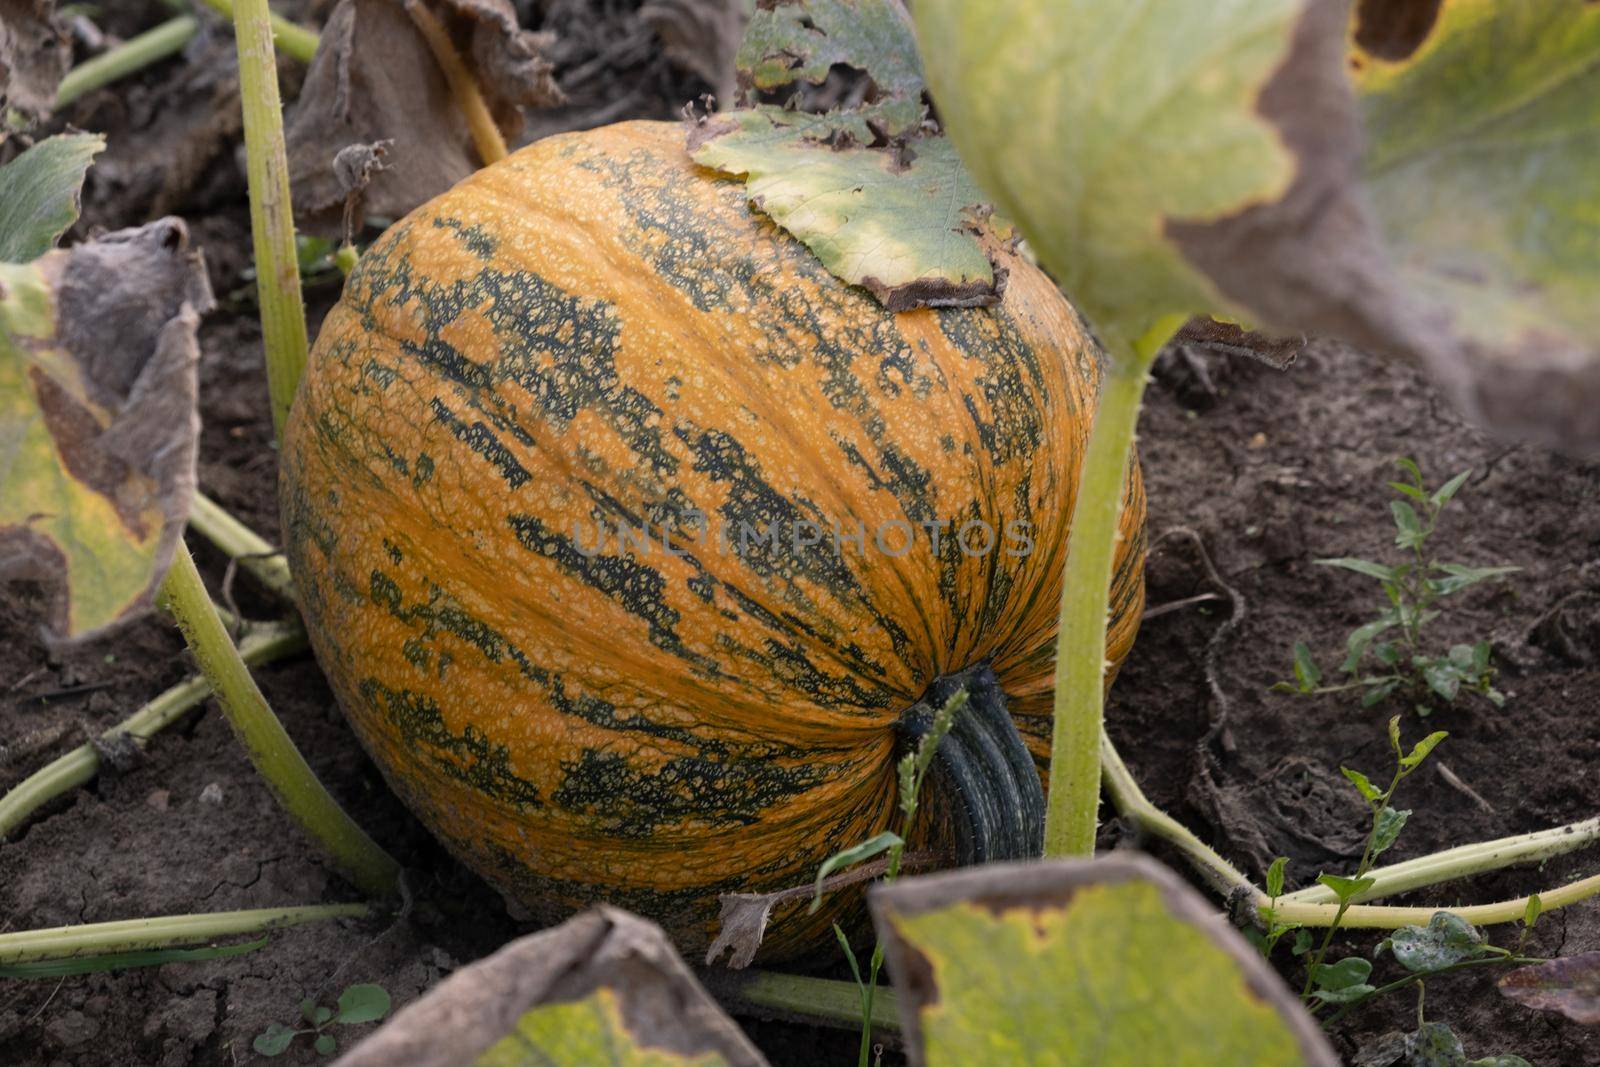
x=912 y=769
x=364 y=1003
x=1387 y=656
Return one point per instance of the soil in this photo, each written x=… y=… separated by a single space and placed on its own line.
x=1269 y=470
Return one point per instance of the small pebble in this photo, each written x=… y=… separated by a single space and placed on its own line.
x=1258 y=441
x=211 y=794
x=159 y=799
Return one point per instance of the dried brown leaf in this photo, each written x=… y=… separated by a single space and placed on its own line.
x=744 y=918
x=35 y=52
x=702 y=36
x=1570 y=985
x=374 y=79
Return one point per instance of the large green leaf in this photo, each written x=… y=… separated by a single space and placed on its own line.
x=39 y=193
x=98 y=425
x=1425 y=187
x=1097 y=126
x=1106 y=963
x=872 y=188
x=582 y=1033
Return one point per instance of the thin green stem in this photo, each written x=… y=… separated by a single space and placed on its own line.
x=283 y=316
x=254 y=554
x=1072 y=811
x=264 y=739
x=1314 y=906
x=262 y=644
x=292 y=39
x=825 y=1000
x=129 y=57
x=138 y=935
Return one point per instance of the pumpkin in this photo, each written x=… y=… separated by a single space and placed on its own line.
x=630 y=539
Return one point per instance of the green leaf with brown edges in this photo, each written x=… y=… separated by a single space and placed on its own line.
x=1417 y=179
x=39 y=194
x=1102 y=963
x=872 y=188
x=1099 y=127
x=582 y=1033
x=98 y=422
x=914 y=233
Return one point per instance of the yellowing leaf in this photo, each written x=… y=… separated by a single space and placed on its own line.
x=98 y=427
x=908 y=233
x=581 y=1033
x=873 y=189
x=1082 y=963
x=1098 y=126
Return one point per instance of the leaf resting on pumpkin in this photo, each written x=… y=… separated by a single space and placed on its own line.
x=1103 y=963
x=98 y=424
x=872 y=189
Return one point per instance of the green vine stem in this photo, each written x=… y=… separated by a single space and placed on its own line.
x=1311 y=908
x=168 y=931
x=283 y=316
x=824 y=1000
x=255 y=556
x=292 y=39
x=1462 y=861
x=1071 y=816
x=264 y=739
x=262 y=644
x=131 y=55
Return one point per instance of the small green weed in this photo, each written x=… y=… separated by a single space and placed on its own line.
x=1387 y=656
x=1447 y=944
x=363 y=1003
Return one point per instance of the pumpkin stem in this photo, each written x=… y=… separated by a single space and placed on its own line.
x=991 y=799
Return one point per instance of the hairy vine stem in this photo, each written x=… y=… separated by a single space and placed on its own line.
x=275 y=757
x=134 y=935
x=263 y=643
x=1073 y=807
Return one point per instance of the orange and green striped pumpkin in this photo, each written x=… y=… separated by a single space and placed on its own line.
x=596 y=335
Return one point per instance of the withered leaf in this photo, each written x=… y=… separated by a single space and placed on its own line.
x=35 y=52
x=606 y=960
x=702 y=36
x=98 y=420
x=743 y=922
x=374 y=78
x=1570 y=985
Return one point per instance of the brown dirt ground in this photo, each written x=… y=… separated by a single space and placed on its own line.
x=1271 y=470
